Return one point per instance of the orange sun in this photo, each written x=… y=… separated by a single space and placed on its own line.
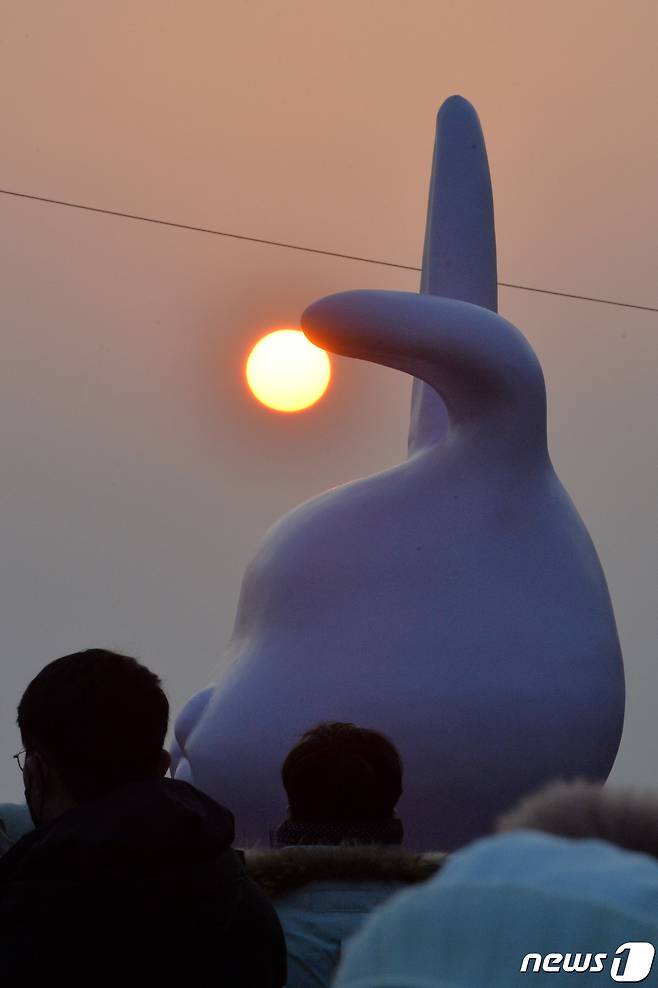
x=286 y=372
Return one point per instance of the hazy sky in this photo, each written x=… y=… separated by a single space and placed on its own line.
x=138 y=477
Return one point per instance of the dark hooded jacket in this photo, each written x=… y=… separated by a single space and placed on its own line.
x=138 y=887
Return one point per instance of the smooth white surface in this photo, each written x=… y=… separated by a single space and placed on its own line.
x=138 y=476
x=454 y=602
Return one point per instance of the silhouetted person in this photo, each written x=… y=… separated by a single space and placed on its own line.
x=129 y=877
x=338 y=853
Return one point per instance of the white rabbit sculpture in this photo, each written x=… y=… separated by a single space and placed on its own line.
x=455 y=602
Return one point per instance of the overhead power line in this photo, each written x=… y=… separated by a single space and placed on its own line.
x=307 y=250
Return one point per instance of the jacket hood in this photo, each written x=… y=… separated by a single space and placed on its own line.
x=139 y=887
x=132 y=833
x=281 y=870
x=506 y=906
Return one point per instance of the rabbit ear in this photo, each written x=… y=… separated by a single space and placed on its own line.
x=459 y=258
x=480 y=366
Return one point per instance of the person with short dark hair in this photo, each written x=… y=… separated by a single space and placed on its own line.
x=343 y=783
x=338 y=853
x=129 y=877
x=90 y=722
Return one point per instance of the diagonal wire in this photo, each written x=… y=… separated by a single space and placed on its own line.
x=307 y=250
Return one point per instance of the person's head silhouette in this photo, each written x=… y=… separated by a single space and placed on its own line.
x=342 y=783
x=90 y=722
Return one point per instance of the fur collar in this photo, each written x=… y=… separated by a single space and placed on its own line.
x=283 y=869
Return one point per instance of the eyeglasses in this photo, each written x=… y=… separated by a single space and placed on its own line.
x=20 y=757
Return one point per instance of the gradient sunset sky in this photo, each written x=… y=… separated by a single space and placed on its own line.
x=138 y=474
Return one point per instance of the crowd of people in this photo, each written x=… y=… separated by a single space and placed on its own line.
x=115 y=874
